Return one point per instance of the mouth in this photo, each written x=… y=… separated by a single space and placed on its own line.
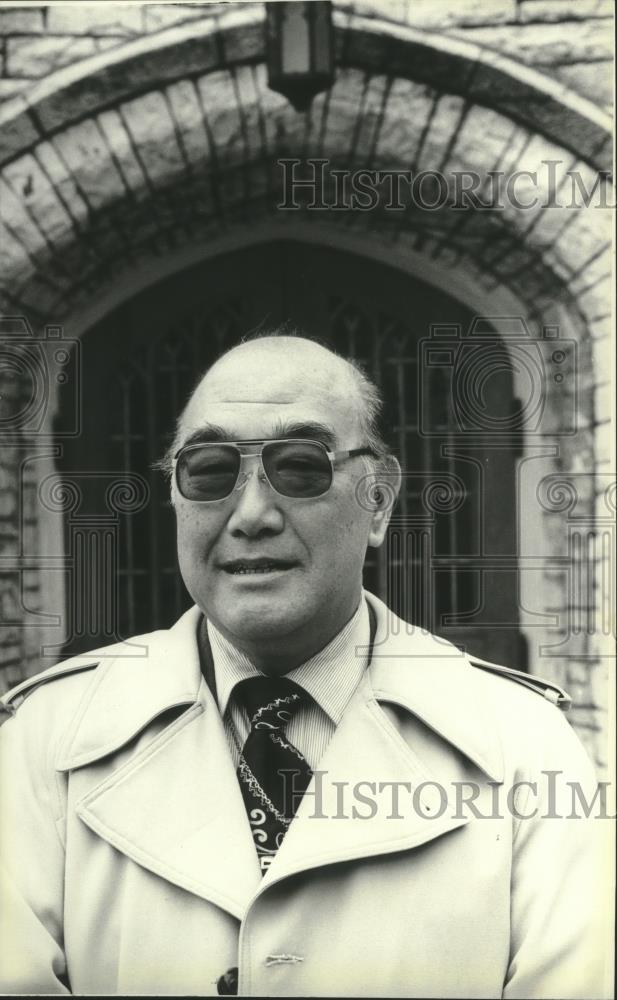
x=253 y=567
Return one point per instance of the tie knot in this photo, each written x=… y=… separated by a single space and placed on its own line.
x=270 y=701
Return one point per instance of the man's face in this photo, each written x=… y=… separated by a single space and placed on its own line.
x=318 y=545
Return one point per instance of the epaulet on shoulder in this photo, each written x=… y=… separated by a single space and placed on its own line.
x=11 y=701
x=552 y=692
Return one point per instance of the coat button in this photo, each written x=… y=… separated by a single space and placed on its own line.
x=227 y=984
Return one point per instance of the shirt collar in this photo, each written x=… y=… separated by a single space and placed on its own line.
x=330 y=677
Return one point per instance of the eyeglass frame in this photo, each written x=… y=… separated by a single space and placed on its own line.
x=334 y=457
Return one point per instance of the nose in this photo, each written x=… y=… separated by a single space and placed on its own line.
x=256 y=511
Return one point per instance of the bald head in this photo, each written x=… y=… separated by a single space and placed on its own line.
x=275 y=370
x=291 y=358
x=294 y=376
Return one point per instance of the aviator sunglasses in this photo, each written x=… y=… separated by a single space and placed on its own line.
x=295 y=467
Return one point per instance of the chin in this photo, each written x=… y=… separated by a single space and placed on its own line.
x=256 y=625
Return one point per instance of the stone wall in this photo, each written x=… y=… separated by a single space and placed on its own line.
x=568 y=40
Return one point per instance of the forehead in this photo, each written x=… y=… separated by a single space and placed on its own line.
x=250 y=393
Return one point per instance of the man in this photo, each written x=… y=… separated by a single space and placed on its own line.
x=149 y=839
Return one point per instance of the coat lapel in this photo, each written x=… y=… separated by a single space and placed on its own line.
x=349 y=811
x=174 y=806
x=433 y=681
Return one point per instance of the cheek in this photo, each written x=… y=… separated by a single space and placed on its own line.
x=341 y=537
x=185 y=526
x=195 y=533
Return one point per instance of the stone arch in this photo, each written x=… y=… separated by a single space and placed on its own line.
x=131 y=127
x=165 y=150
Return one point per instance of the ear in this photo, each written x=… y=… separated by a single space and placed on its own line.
x=173 y=493
x=384 y=492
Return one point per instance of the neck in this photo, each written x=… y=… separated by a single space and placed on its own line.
x=277 y=655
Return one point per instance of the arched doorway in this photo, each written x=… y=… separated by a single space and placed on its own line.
x=141 y=361
x=165 y=149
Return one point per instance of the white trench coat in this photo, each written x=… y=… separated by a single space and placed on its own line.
x=129 y=866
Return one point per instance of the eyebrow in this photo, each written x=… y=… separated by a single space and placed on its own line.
x=315 y=431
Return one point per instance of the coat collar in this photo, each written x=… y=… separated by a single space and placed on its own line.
x=435 y=681
x=413 y=669
x=153 y=674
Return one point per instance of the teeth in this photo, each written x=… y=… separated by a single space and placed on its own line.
x=254 y=569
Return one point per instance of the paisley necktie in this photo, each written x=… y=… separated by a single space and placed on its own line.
x=272 y=772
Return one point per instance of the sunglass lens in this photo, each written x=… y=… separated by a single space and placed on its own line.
x=297 y=470
x=208 y=472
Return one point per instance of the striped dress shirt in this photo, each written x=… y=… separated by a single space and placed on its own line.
x=330 y=677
